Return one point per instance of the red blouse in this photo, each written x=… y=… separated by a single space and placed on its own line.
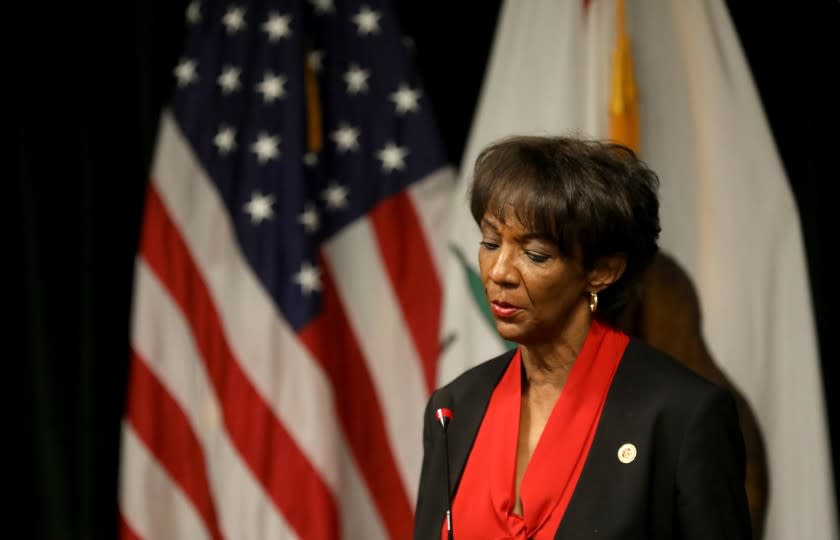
x=483 y=505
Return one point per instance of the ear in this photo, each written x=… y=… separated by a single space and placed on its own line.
x=606 y=271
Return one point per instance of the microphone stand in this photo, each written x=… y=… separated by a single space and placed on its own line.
x=449 y=534
x=444 y=416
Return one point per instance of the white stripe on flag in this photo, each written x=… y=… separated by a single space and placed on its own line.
x=279 y=367
x=152 y=505
x=432 y=198
x=162 y=337
x=378 y=323
x=269 y=353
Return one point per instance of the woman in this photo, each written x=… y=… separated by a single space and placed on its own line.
x=581 y=431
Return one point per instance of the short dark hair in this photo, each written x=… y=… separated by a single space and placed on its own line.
x=589 y=195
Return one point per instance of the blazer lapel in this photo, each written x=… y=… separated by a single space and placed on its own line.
x=619 y=423
x=469 y=402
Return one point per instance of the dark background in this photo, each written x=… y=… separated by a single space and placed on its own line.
x=89 y=84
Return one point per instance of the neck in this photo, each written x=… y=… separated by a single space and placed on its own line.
x=548 y=364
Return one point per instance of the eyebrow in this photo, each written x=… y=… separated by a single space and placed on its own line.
x=523 y=238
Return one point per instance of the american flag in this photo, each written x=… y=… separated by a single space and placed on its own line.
x=287 y=293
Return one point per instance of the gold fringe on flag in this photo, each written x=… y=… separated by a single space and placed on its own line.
x=624 y=114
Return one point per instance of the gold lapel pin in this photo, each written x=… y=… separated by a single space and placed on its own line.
x=627 y=453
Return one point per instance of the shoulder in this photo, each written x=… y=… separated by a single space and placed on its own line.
x=688 y=469
x=662 y=369
x=655 y=379
x=655 y=398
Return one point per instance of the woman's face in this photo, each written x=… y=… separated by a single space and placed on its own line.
x=536 y=296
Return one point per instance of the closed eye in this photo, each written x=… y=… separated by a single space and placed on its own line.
x=536 y=257
x=489 y=245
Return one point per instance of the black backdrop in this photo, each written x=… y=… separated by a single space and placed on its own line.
x=90 y=81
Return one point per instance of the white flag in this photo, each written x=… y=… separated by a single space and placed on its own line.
x=728 y=215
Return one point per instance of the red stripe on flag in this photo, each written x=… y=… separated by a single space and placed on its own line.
x=125 y=531
x=413 y=275
x=163 y=426
x=330 y=339
x=261 y=439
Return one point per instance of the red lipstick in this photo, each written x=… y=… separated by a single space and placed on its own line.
x=503 y=310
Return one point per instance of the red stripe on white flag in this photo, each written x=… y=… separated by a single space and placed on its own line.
x=125 y=530
x=162 y=337
x=413 y=275
x=162 y=425
x=378 y=322
x=153 y=506
x=244 y=346
x=262 y=440
x=296 y=388
x=331 y=340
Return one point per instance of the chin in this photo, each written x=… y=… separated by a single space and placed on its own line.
x=508 y=332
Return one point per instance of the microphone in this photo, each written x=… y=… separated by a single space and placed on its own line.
x=444 y=416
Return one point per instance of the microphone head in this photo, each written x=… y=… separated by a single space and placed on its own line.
x=443 y=416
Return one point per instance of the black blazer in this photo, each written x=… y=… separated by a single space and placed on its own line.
x=686 y=481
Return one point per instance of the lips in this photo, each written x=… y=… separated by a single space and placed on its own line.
x=503 y=310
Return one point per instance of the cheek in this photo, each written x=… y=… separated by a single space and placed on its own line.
x=485 y=262
x=551 y=294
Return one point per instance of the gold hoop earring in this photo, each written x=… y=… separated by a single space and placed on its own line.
x=593 y=302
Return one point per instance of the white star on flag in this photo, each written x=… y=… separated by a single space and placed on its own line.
x=266 y=147
x=356 y=79
x=322 y=6
x=185 y=72
x=346 y=138
x=259 y=207
x=405 y=99
x=309 y=278
x=229 y=80
x=367 y=20
x=309 y=218
x=335 y=196
x=234 y=20
x=277 y=26
x=272 y=87
x=194 y=12
x=310 y=159
x=225 y=139
x=392 y=157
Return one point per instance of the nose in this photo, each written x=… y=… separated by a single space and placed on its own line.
x=502 y=268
